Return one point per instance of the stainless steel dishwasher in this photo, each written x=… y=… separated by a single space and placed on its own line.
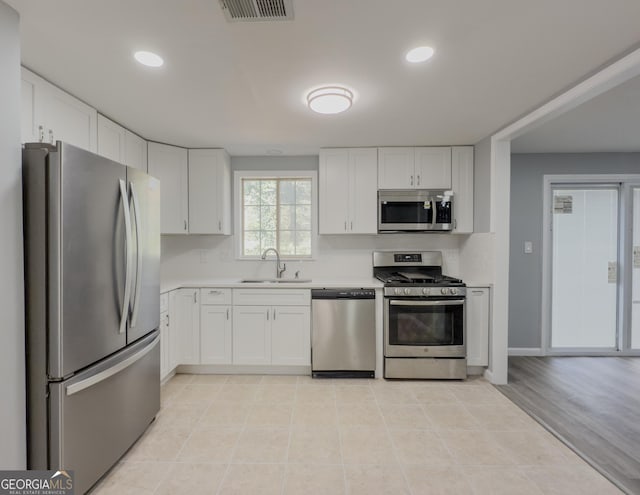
x=343 y=332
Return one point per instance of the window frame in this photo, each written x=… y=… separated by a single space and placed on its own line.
x=238 y=209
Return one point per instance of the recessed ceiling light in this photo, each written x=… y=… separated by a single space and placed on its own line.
x=149 y=59
x=419 y=54
x=330 y=99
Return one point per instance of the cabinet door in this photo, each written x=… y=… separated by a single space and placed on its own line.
x=363 y=191
x=111 y=139
x=433 y=168
x=209 y=192
x=396 y=168
x=169 y=164
x=215 y=335
x=333 y=191
x=478 y=312
x=135 y=151
x=462 y=185
x=185 y=321
x=291 y=335
x=164 y=344
x=68 y=119
x=252 y=334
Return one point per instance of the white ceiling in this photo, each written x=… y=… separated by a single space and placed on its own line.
x=241 y=86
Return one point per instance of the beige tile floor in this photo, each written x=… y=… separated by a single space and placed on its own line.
x=219 y=434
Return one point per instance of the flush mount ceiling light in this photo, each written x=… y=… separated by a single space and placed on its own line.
x=149 y=59
x=330 y=99
x=419 y=54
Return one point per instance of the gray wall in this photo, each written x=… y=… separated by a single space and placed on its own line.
x=12 y=388
x=525 y=270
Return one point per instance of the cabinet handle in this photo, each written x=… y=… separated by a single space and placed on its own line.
x=455 y=223
x=412 y=180
x=267 y=314
x=345 y=225
x=185 y=225
x=227 y=313
x=195 y=297
x=352 y=226
x=477 y=292
x=219 y=225
x=167 y=319
x=418 y=177
x=215 y=292
x=40 y=133
x=274 y=314
x=51 y=136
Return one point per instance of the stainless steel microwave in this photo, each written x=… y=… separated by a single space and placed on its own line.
x=418 y=210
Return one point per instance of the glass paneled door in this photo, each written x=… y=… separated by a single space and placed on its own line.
x=635 y=276
x=584 y=300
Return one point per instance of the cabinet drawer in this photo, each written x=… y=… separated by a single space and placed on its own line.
x=215 y=296
x=164 y=302
x=272 y=297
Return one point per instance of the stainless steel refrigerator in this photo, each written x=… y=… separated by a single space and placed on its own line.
x=92 y=256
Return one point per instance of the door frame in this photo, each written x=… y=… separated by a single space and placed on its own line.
x=625 y=183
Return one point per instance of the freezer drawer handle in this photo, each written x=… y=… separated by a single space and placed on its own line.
x=103 y=375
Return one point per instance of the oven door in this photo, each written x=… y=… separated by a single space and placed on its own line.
x=421 y=327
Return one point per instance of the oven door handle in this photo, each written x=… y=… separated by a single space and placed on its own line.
x=456 y=302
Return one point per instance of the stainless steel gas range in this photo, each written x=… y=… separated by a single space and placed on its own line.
x=424 y=321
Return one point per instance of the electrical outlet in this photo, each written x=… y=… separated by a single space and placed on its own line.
x=528 y=247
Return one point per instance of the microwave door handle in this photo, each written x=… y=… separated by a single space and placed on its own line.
x=455 y=302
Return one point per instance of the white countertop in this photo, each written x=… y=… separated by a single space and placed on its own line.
x=234 y=283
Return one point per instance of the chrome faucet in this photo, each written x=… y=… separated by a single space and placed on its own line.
x=279 y=270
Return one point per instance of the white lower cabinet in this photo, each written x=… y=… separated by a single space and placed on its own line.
x=215 y=326
x=478 y=311
x=164 y=336
x=266 y=332
x=184 y=329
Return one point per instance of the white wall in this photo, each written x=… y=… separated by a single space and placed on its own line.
x=201 y=258
x=12 y=388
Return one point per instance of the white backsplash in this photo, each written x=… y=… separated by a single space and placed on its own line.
x=476 y=258
x=206 y=257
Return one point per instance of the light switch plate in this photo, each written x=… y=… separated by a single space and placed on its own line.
x=528 y=247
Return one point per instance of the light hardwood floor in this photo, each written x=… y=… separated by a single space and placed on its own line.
x=287 y=435
x=591 y=403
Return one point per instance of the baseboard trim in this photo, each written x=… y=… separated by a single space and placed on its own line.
x=525 y=351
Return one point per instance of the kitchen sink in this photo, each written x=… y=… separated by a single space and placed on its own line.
x=275 y=280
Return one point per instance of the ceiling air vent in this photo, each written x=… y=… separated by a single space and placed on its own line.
x=257 y=10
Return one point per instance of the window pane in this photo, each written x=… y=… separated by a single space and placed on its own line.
x=251 y=218
x=268 y=218
x=303 y=217
x=268 y=192
x=303 y=192
x=287 y=192
x=252 y=244
x=287 y=242
x=268 y=240
x=251 y=192
x=287 y=217
x=303 y=243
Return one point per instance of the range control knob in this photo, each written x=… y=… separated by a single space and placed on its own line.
x=407 y=291
x=453 y=291
x=444 y=290
x=398 y=291
x=425 y=291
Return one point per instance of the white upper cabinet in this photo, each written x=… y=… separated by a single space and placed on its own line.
x=396 y=168
x=414 y=168
x=433 y=168
x=169 y=165
x=49 y=115
x=135 y=151
x=347 y=191
x=462 y=185
x=209 y=191
x=111 y=139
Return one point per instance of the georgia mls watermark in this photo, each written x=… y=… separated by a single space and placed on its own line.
x=36 y=483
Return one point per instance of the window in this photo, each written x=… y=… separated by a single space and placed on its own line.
x=275 y=211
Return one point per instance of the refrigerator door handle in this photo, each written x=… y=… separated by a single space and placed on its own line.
x=127 y=276
x=136 y=295
x=103 y=375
